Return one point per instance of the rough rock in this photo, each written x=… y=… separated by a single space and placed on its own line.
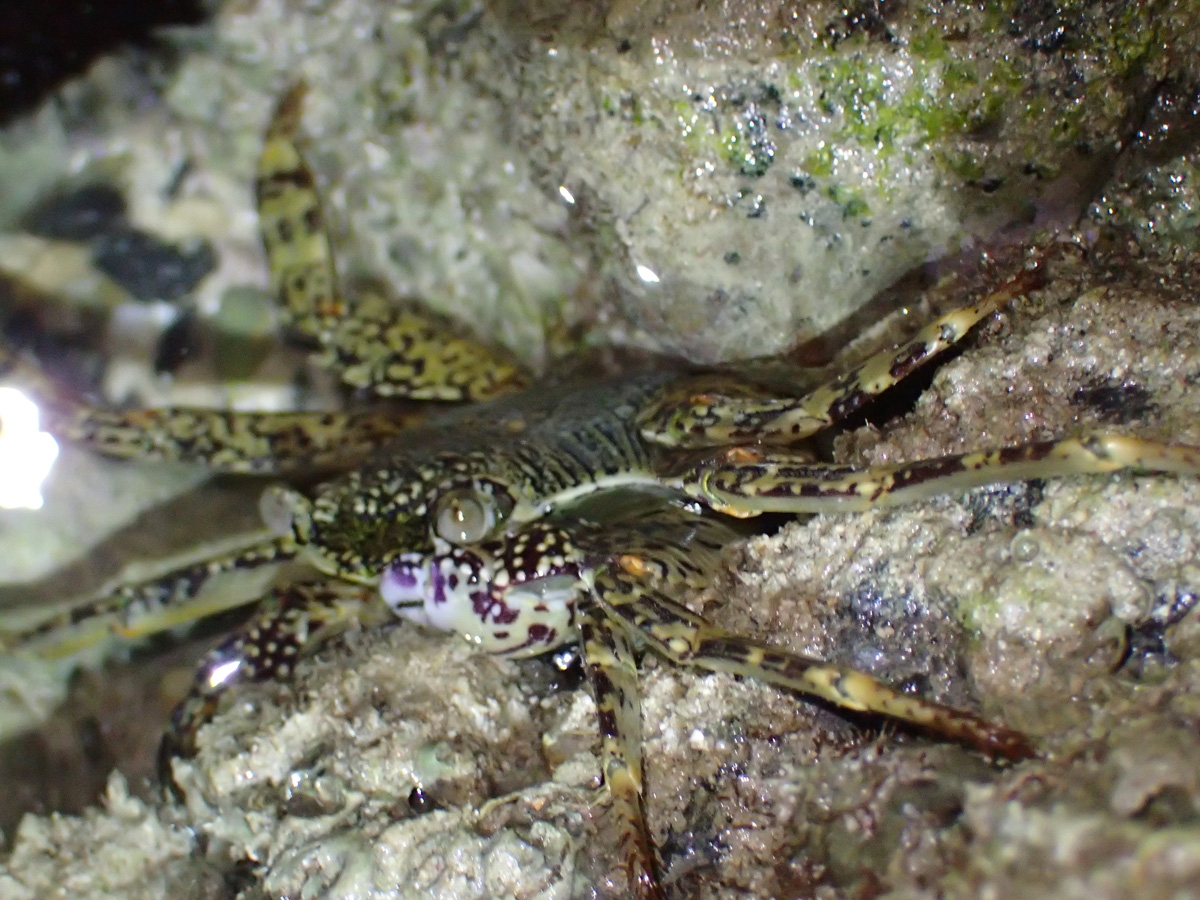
x=716 y=181
x=400 y=764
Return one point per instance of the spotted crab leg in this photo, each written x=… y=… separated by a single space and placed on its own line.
x=714 y=410
x=612 y=673
x=392 y=349
x=746 y=481
x=133 y=611
x=687 y=639
x=226 y=441
x=631 y=595
x=299 y=618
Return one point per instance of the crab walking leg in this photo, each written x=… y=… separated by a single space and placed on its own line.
x=392 y=349
x=299 y=618
x=848 y=689
x=746 y=481
x=294 y=235
x=706 y=412
x=227 y=441
x=685 y=638
x=171 y=599
x=612 y=673
x=223 y=440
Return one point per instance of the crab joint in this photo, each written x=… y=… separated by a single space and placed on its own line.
x=743 y=455
x=637 y=566
x=286 y=513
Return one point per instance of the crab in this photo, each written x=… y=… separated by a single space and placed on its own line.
x=525 y=518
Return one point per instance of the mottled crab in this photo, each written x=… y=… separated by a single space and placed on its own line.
x=483 y=518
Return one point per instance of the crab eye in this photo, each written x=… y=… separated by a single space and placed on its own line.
x=464 y=516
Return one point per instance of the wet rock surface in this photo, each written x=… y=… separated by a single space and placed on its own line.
x=403 y=764
x=713 y=182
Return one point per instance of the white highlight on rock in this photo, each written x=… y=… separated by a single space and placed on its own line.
x=647 y=274
x=26 y=454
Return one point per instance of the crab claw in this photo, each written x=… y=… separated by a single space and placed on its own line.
x=485 y=596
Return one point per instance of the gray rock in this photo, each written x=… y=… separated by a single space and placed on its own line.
x=735 y=156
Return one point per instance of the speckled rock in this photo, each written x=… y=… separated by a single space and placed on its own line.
x=1067 y=591
x=125 y=848
x=446 y=801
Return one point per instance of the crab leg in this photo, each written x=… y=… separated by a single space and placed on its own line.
x=227 y=441
x=709 y=411
x=746 y=481
x=685 y=638
x=154 y=605
x=612 y=673
x=299 y=619
x=629 y=596
x=392 y=349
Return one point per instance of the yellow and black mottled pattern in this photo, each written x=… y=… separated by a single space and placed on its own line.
x=228 y=441
x=718 y=410
x=532 y=478
x=749 y=481
x=527 y=455
x=612 y=674
x=634 y=570
x=145 y=608
x=296 y=620
x=392 y=349
x=639 y=588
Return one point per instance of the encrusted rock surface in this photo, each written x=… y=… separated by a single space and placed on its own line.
x=750 y=169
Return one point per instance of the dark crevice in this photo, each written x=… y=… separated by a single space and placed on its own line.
x=42 y=43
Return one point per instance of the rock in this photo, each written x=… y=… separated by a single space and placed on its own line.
x=685 y=141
